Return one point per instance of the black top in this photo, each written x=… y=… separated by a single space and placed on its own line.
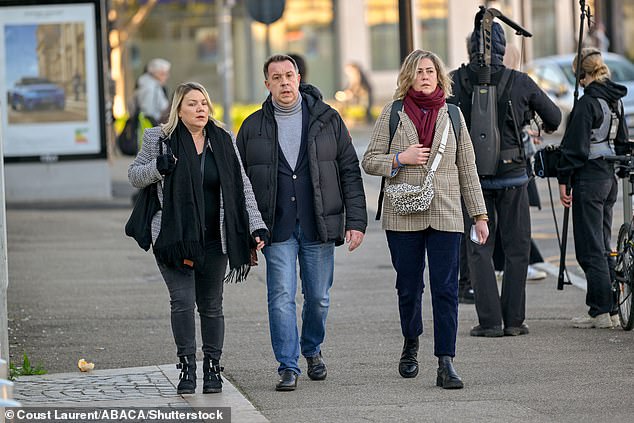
x=211 y=189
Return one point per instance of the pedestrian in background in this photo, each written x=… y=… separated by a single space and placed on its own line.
x=150 y=95
x=358 y=90
x=424 y=85
x=597 y=128
x=208 y=218
x=302 y=69
x=305 y=174
x=505 y=192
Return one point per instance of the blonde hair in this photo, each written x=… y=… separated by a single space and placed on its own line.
x=407 y=74
x=592 y=64
x=180 y=92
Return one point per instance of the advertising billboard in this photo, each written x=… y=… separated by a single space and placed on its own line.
x=50 y=80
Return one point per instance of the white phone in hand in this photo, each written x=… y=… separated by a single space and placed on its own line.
x=474 y=235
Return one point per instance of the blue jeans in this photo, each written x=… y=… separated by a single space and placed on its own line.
x=408 y=250
x=316 y=266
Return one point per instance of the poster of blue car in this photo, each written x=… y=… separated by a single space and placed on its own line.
x=45 y=73
x=51 y=103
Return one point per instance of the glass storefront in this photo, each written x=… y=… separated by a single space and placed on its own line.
x=186 y=34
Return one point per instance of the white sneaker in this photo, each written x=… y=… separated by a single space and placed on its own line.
x=534 y=274
x=602 y=321
x=616 y=320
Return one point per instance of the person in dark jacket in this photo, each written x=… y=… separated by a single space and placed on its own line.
x=505 y=192
x=208 y=220
x=596 y=129
x=306 y=178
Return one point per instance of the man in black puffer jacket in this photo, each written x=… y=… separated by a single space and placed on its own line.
x=505 y=192
x=305 y=174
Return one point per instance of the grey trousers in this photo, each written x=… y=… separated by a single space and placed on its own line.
x=202 y=287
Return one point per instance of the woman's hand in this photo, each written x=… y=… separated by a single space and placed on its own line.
x=259 y=243
x=482 y=231
x=566 y=199
x=415 y=155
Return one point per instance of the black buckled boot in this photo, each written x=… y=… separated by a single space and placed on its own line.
x=212 y=381
x=408 y=365
x=187 y=366
x=447 y=376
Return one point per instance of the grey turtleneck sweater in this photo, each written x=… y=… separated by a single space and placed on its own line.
x=289 y=129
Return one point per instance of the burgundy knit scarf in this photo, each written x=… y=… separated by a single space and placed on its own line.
x=423 y=109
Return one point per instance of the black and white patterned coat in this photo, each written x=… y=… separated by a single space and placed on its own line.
x=142 y=172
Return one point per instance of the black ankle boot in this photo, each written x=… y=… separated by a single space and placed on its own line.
x=187 y=366
x=212 y=381
x=408 y=365
x=447 y=376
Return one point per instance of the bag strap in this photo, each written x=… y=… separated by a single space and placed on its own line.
x=441 y=149
x=454 y=116
x=394 y=119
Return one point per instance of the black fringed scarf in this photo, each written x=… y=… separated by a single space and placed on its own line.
x=182 y=223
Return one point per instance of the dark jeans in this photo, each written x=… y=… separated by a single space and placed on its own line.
x=201 y=287
x=592 y=204
x=408 y=251
x=509 y=214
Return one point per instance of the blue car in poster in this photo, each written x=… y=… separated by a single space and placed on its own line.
x=34 y=92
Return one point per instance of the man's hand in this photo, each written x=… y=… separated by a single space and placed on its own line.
x=354 y=239
x=566 y=199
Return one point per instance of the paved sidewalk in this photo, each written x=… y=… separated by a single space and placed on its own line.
x=152 y=386
x=80 y=288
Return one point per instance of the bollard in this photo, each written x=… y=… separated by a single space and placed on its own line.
x=6 y=389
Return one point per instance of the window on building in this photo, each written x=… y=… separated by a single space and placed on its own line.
x=543 y=18
x=431 y=18
x=381 y=17
x=305 y=28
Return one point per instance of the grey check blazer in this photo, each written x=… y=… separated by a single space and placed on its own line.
x=456 y=175
x=142 y=172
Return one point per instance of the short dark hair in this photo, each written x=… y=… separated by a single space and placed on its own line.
x=278 y=58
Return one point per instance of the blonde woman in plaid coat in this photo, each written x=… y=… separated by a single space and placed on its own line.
x=423 y=85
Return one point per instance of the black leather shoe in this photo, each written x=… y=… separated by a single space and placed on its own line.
x=408 y=365
x=466 y=296
x=492 y=332
x=316 y=367
x=447 y=377
x=516 y=330
x=287 y=382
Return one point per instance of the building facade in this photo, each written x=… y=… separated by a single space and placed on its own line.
x=332 y=33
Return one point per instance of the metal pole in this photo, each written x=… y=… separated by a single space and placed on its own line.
x=405 y=28
x=4 y=271
x=225 y=68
